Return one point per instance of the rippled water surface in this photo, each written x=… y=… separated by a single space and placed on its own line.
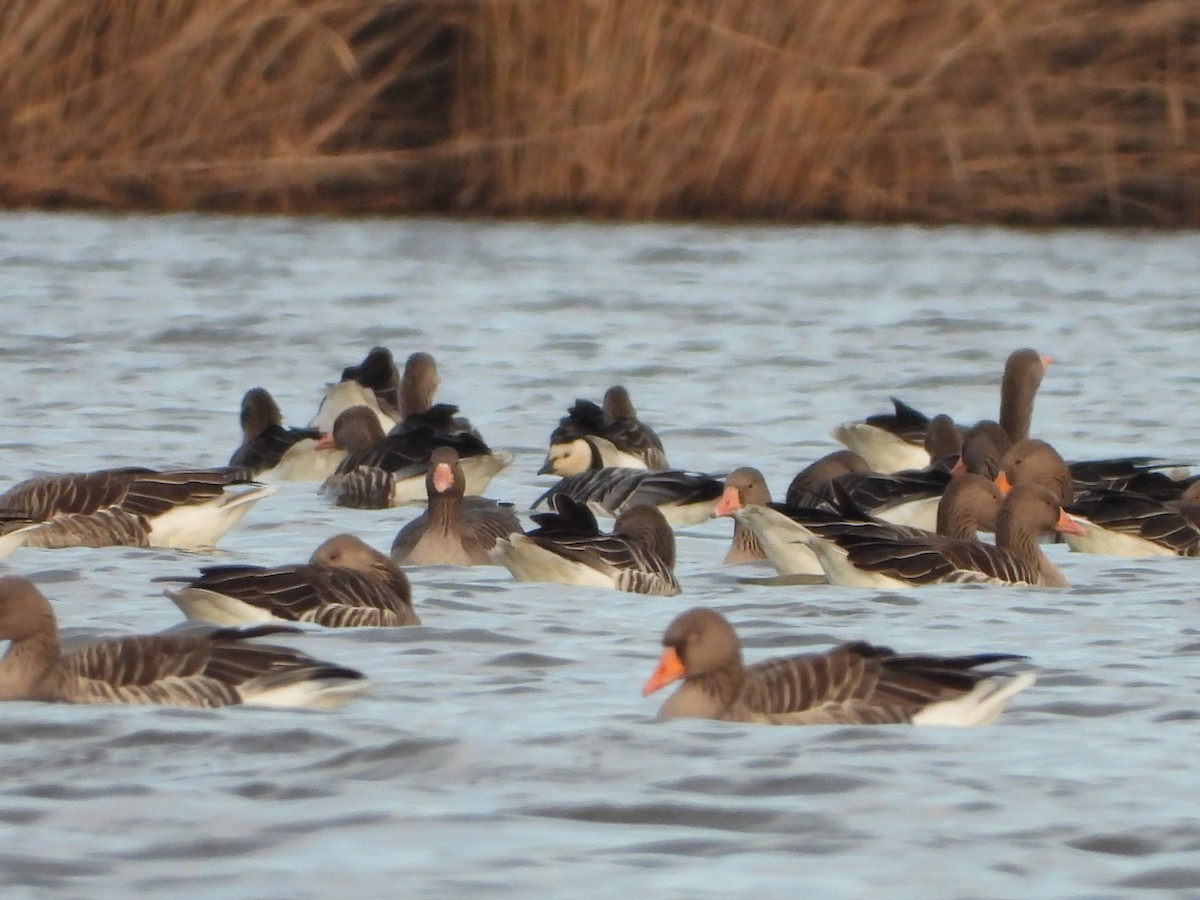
x=505 y=746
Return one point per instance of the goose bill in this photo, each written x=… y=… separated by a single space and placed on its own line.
x=729 y=503
x=670 y=668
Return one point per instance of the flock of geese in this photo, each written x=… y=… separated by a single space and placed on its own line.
x=901 y=506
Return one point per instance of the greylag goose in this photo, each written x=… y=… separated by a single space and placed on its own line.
x=809 y=487
x=968 y=505
x=216 y=668
x=743 y=487
x=451 y=531
x=685 y=498
x=378 y=374
x=874 y=557
x=852 y=684
x=1113 y=519
x=133 y=507
x=622 y=438
x=389 y=470
x=271 y=452
x=894 y=443
x=568 y=547
x=344 y=584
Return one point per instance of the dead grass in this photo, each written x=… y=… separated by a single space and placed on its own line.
x=932 y=110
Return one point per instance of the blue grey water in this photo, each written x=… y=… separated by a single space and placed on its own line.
x=505 y=746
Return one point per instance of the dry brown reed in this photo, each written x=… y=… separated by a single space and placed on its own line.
x=933 y=110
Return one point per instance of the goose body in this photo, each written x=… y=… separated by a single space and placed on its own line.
x=271 y=452
x=853 y=684
x=221 y=667
x=569 y=547
x=344 y=584
x=186 y=509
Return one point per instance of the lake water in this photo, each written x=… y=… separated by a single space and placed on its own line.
x=505 y=747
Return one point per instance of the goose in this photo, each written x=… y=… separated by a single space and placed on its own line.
x=568 y=547
x=1113 y=520
x=389 y=470
x=880 y=558
x=808 y=488
x=853 y=684
x=625 y=441
x=218 y=667
x=893 y=443
x=969 y=505
x=379 y=375
x=743 y=487
x=271 y=452
x=188 y=509
x=451 y=531
x=685 y=498
x=344 y=584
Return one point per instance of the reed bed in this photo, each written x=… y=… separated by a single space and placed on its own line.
x=1034 y=111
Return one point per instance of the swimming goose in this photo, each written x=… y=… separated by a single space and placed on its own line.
x=685 y=498
x=808 y=488
x=216 y=668
x=568 y=547
x=852 y=684
x=968 y=505
x=344 y=584
x=389 y=470
x=450 y=531
x=876 y=558
x=271 y=452
x=132 y=507
x=1113 y=520
x=743 y=487
x=893 y=443
x=378 y=374
x=623 y=439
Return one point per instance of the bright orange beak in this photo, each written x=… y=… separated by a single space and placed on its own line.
x=443 y=478
x=1002 y=482
x=729 y=503
x=325 y=442
x=670 y=668
x=1067 y=525
x=1046 y=360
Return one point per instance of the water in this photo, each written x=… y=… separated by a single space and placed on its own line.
x=505 y=746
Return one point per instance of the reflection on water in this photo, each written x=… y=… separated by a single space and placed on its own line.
x=505 y=745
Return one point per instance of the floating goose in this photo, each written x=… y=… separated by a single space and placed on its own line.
x=853 y=684
x=344 y=584
x=623 y=439
x=452 y=531
x=271 y=452
x=134 y=507
x=894 y=443
x=685 y=498
x=389 y=470
x=569 y=547
x=216 y=668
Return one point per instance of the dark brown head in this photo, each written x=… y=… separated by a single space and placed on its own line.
x=743 y=487
x=419 y=384
x=355 y=429
x=1035 y=462
x=24 y=611
x=1031 y=507
x=943 y=440
x=259 y=412
x=696 y=642
x=969 y=504
x=646 y=526
x=349 y=552
x=984 y=445
x=617 y=405
x=445 y=475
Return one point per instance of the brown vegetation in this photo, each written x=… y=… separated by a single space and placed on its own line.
x=934 y=110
